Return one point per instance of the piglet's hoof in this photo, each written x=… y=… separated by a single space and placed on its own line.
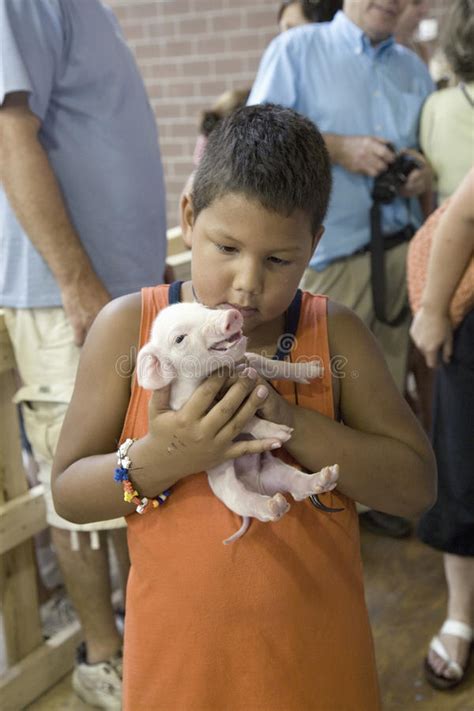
x=278 y=506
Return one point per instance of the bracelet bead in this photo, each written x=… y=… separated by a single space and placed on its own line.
x=130 y=494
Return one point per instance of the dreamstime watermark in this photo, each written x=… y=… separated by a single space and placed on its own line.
x=285 y=366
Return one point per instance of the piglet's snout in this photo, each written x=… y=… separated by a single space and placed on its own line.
x=232 y=321
x=224 y=329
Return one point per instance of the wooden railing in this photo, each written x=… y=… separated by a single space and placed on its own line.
x=30 y=664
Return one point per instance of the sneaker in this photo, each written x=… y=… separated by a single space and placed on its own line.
x=99 y=684
x=57 y=613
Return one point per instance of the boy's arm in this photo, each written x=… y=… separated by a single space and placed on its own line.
x=384 y=457
x=82 y=476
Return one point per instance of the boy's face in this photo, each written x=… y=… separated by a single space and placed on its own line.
x=248 y=257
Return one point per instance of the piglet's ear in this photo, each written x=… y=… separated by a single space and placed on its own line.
x=153 y=374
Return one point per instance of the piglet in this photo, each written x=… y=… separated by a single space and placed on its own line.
x=188 y=342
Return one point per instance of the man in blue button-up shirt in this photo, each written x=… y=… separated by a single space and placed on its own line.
x=362 y=90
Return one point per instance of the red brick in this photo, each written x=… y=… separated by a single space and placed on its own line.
x=244 y=41
x=198 y=68
x=187 y=89
x=147 y=50
x=203 y=5
x=209 y=44
x=193 y=25
x=230 y=65
x=256 y=18
x=133 y=30
x=160 y=28
x=176 y=47
x=173 y=7
x=224 y=23
x=212 y=88
x=138 y=9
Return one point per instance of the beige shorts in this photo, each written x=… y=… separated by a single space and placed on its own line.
x=47 y=361
x=348 y=282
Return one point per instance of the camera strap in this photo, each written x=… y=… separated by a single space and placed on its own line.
x=378 y=245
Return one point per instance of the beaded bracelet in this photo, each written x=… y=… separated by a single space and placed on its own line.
x=130 y=494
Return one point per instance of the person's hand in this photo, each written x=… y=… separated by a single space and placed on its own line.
x=420 y=179
x=201 y=434
x=365 y=154
x=275 y=408
x=432 y=331
x=83 y=297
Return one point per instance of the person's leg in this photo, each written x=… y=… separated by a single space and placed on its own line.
x=345 y=281
x=459 y=572
x=394 y=340
x=449 y=524
x=348 y=282
x=86 y=573
x=47 y=361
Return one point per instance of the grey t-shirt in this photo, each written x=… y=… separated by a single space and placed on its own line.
x=100 y=135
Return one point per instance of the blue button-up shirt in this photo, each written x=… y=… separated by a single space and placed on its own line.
x=332 y=74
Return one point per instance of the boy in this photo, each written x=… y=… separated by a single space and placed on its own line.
x=279 y=621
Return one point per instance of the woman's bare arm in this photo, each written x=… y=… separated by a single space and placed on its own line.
x=452 y=248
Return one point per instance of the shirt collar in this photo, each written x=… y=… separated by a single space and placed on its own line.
x=357 y=38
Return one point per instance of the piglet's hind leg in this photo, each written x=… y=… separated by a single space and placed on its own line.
x=276 y=476
x=231 y=490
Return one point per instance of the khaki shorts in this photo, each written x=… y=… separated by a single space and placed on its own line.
x=47 y=361
x=348 y=282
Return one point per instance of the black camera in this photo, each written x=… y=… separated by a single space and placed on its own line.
x=388 y=183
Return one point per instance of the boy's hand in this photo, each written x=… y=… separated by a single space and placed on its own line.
x=276 y=408
x=200 y=435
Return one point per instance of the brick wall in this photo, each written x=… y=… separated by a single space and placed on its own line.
x=189 y=52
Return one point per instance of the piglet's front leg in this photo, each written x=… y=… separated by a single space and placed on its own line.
x=284 y=370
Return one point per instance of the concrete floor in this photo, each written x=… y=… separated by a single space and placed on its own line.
x=406 y=599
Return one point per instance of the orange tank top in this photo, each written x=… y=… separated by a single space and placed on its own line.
x=274 y=622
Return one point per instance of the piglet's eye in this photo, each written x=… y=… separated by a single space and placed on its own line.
x=178 y=339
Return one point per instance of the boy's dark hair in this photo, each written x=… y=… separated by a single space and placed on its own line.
x=270 y=154
x=458 y=39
